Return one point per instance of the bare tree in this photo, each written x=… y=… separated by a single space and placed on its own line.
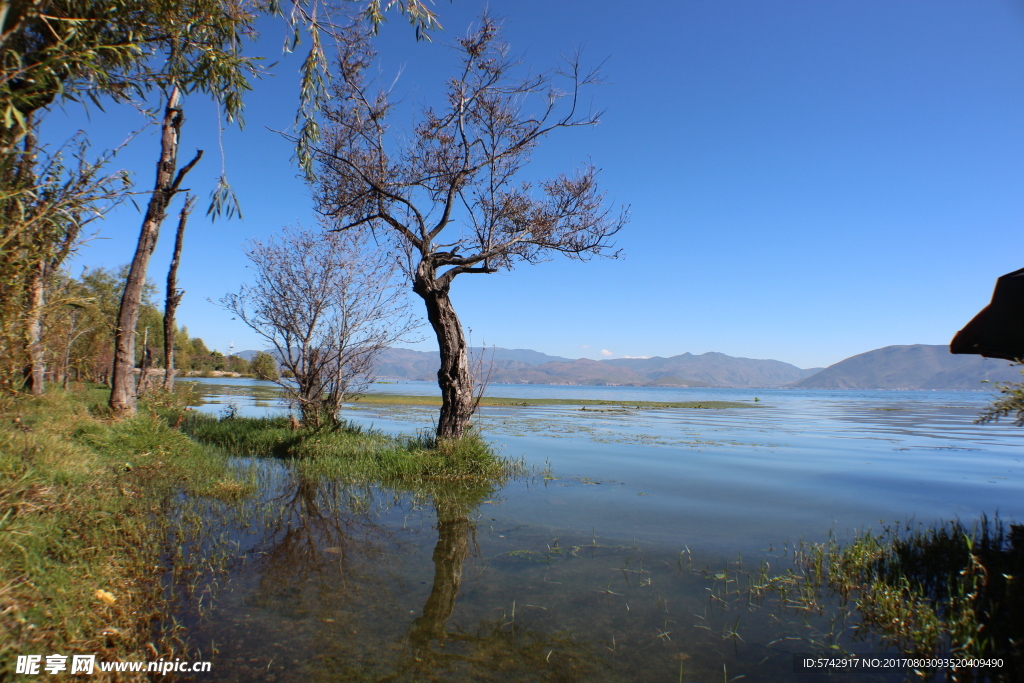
x=173 y=295
x=449 y=195
x=328 y=305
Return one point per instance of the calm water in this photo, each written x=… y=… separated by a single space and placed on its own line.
x=592 y=572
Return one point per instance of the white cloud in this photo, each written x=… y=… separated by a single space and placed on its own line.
x=585 y=346
x=605 y=352
x=636 y=356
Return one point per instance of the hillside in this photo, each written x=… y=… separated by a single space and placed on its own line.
x=916 y=366
x=522 y=366
x=714 y=369
x=409 y=364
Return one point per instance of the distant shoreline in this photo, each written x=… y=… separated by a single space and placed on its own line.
x=501 y=401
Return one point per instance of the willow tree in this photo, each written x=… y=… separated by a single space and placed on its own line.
x=450 y=196
x=91 y=50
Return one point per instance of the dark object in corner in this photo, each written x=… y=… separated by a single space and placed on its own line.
x=998 y=330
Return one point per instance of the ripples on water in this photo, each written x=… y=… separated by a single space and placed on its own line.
x=592 y=572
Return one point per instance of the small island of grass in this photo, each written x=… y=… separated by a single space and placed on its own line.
x=501 y=401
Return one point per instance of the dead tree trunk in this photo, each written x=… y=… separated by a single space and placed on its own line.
x=174 y=295
x=454 y=376
x=122 y=394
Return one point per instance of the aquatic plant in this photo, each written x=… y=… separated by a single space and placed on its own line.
x=347 y=451
x=948 y=588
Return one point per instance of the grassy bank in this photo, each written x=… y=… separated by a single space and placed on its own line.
x=92 y=517
x=83 y=527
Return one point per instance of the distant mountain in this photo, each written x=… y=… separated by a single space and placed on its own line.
x=521 y=355
x=916 y=366
x=714 y=370
x=580 y=371
x=522 y=366
x=409 y=364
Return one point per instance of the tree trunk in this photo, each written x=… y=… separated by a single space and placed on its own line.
x=34 y=329
x=65 y=363
x=454 y=377
x=35 y=281
x=122 y=394
x=147 y=364
x=169 y=370
x=174 y=295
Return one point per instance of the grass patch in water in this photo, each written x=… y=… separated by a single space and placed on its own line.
x=499 y=401
x=349 y=452
x=270 y=392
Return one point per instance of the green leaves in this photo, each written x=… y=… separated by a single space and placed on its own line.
x=419 y=15
x=223 y=201
x=11 y=115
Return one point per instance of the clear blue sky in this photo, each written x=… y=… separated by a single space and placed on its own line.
x=808 y=180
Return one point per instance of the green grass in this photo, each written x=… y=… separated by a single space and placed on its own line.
x=83 y=523
x=263 y=391
x=498 y=401
x=944 y=589
x=350 y=453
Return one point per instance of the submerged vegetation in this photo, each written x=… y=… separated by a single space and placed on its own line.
x=944 y=590
x=500 y=401
x=265 y=392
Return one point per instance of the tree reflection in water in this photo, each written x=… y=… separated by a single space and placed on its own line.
x=324 y=538
x=499 y=645
x=330 y=588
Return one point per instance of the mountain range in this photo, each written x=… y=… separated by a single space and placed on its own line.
x=916 y=366
x=523 y=366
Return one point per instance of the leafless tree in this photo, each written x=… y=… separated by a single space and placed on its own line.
x=449 y=195
x=173 y=296
x=328 y=305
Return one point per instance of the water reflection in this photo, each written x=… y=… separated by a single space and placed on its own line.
x=453 y=540
x=324 y=537
x=350 y=582
x=499 y=646
x=328 y=575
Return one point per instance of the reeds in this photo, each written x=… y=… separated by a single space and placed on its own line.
x=944 y=589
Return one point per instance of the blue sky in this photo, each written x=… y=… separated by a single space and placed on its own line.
x=807 y=180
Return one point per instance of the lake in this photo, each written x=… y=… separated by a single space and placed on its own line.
x=602 y=564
